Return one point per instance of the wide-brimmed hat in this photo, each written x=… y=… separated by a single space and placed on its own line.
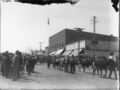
x=17 y=52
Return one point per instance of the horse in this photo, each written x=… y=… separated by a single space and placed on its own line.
x=86 y=62
x=100 y=64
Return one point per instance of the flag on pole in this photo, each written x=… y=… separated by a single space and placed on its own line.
x=48 y=21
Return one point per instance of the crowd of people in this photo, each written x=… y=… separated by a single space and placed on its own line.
x=14 y=65
x=70 y=64
x=65 y=63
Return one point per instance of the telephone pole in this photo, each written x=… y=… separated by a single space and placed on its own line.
x=118 y=6
x=40 y=47
x=94 y=31
x=119 y=20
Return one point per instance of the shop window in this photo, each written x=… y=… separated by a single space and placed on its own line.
x=57 y=45
x=62 y=44
x=53 y=46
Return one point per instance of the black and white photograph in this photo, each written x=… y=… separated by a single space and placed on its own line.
x=59 y=44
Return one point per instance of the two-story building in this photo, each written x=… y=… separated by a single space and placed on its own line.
x=72 y=42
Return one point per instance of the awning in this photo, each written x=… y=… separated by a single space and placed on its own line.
x=52 y=53
x=67 y=52
x=82 y=51
x=58 y=52
x=75 y=53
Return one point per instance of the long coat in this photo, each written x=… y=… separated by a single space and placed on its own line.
x=15 y=67
x=5 y=66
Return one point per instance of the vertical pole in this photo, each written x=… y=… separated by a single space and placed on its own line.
x=119 y=34
x=40 y=48
x=119 y=20
x=94 y=24
x=78 y=47
x=0 y=28
x=119 y=27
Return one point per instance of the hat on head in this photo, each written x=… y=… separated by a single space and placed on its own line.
x=17 y=52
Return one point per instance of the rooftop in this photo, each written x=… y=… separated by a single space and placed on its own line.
x=89 y=36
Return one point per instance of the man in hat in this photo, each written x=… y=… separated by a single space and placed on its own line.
x=29 y=67
x=72 y=64
x=48 y=61
x=112 y=61
x=33 y=62
x=15 y=66
x=21 y=63
x=5 y=66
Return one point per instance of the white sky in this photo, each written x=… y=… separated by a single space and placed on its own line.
x=24 y=25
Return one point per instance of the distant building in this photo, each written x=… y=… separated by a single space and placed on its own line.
x=37 y=52
x=72 y=42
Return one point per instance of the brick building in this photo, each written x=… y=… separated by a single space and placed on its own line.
x=72 y=41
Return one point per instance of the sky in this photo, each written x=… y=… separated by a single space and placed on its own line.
x=23 y=26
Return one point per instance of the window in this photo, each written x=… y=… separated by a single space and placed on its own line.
x=55 y=45
x=62 y=44
x=49 y=47
x=59 y=45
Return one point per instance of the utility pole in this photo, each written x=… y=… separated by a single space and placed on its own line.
x=0 y=29
x=40 y=47
x=119 y=28
x=119 y=20
x=94 y=31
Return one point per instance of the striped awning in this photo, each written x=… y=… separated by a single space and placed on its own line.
x=59 y=51
x=52 y=53
x=67 y=53
x=75 y=53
